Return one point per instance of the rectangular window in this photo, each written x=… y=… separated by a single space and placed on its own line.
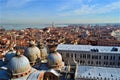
x=75 y=55
x=96 y=62
x=110 y=63
x=88 y=62
x=88 y=56
x=107 y=57
x=106 y=63
x=118 y=63
x=110 y=57
x=113 y=63
x=113 y=57
x=84 y=55
x=104 y=57
x=100 y=57
x=80 y=55
x=72 y=55
x=80 y=61
x=91 y=62
x=92 y=57
x=96 y=57
x=99 y=62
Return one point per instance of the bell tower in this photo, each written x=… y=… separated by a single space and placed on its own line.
x=53 y=24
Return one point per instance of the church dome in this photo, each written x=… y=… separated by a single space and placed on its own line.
x=32 y=53
x=19 y=65
x=55 y=60
x=43 y=50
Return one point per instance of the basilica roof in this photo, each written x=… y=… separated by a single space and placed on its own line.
x=18 y=65
x=32 y=53
x=54 y=59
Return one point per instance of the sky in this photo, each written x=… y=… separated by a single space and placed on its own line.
x=59 y=11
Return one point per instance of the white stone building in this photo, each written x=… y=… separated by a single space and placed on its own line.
x=95 y=62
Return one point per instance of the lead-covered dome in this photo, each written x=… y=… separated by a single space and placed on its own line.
x=55 y=60
x=32 y=53
x=19 y=65
x=43 y=50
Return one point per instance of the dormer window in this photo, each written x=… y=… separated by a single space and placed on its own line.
x=114 y=49
x=94 y=50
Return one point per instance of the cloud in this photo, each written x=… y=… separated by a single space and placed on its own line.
x=92 y=9
x=90 y=1
x=16 y=3
x=110 y=7
x=69 y=4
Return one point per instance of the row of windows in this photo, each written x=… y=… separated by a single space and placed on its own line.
x=98 y=63
x=89 y=56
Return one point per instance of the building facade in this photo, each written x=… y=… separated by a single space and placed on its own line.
x=95 y=62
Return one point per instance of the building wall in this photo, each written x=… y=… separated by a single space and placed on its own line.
x=91 y=58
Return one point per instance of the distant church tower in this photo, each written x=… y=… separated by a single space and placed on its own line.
x=53 y=24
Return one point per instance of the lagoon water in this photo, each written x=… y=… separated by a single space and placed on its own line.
x=23 y=26
x=40 y=26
